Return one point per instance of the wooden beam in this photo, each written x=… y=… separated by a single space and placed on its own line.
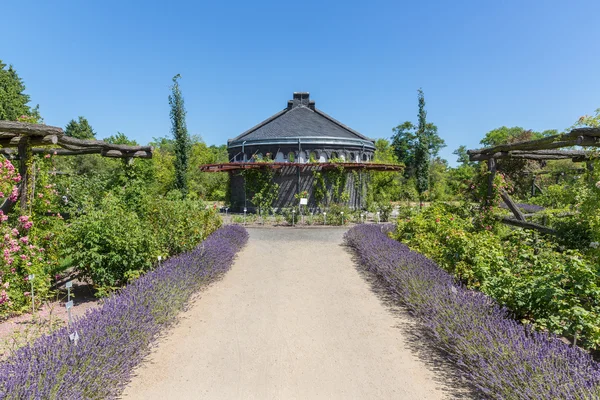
x=512 y=206
x=526 y=145
x=23 y=128
x=33 y=141
x=528 y=225
x=584 y=132
x=80 y=151
x=81 y=143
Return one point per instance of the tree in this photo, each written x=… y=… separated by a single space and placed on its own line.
x=80 y=129
x=180 y=134
x=13 y=100
x=383 y=186
x=505 y=135
x=463 y=157
x=405 y=140
x=403 y=143
x=422 y=150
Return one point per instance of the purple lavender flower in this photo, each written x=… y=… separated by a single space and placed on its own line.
x=115 y=337
x=500 y=357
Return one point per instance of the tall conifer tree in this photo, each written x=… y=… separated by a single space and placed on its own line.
x=422 y=150
x=180 y=134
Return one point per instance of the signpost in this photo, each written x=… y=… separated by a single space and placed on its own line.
x=74 y=337
x=303 y=202
x=31 y=277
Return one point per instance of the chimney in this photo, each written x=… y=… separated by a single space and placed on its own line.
x=302 y=99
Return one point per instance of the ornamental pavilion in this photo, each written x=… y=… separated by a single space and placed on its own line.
x=296 y=142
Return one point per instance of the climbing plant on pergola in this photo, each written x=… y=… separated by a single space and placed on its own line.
x=20 y=140
x=547 y=148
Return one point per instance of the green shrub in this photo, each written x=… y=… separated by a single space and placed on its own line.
x=109 y=244
x=179 y=225
x=554 y=290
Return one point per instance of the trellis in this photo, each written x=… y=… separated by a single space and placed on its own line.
x=20 y=140
x=547 y=148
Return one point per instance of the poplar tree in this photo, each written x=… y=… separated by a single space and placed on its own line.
x=180 y=134
x=422 y=150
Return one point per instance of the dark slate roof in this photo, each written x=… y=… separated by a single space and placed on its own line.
x=299 y=119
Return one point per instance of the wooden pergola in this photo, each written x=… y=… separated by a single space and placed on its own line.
x=237 y=166
x=21 y=141
x=547 y=148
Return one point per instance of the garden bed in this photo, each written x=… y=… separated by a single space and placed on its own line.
x=114 y=338
x=500 y=357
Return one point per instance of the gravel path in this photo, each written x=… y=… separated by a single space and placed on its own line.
x=293 y=319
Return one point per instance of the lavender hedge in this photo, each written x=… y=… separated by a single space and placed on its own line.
x=502 y=358
x=115 y=337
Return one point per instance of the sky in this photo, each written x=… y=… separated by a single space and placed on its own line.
x=481 y=64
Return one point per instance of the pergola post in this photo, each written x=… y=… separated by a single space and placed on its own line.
x=492 y=171
x=25 y=162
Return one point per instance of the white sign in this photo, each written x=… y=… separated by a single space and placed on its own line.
x=74 y=337
x=30 y=277
x=69 y=304
x=69 y=284
x=303 y=201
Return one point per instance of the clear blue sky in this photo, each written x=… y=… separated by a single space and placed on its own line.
x=481 y=64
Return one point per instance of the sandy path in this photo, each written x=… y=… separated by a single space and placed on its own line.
x=292 y=319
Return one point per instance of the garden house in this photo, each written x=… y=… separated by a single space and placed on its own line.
x=297 y=142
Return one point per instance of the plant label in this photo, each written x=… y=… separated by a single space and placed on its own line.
x=69 y=285
x=31 y=277
x=303 y=201
x=69 y=304
x=159 y=258
x=74 y=337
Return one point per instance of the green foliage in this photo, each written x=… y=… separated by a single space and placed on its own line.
x=338 y=214
x=13 y=100
x=422 y=149
x=329 y=187
x=383 y=187
x=554 y=290
x=413 y=144
x=505 y=135
x=108 y=244
x=179 y=225
x=80 y=129
x=439 y=189
x=261 y=187
x=180 y=134
x=461 y=153
x=209 y=186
